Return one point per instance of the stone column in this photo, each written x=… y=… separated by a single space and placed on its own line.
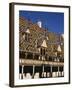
x=22 y=71
x=33 y=71
x=20 y=75
x=58 y=71
x=63 y=71
x=42 y=70
x=51 y=70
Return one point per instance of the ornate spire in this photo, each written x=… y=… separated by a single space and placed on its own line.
x=59 y=48
x=44 y=43
x=27 y=31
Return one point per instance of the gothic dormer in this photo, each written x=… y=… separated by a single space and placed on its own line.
x=28 y=31
x=44 y=44
x=26 y=34
x=59 y=48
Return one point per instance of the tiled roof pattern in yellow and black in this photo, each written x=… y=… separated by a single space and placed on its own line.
x=39 y=34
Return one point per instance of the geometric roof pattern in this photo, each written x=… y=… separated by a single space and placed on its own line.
x=38 y=37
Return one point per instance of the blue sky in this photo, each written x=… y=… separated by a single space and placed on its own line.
x=53 y=21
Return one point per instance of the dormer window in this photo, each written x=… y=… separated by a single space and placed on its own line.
x=43 y=51
x=28 y=31
x=26 y=35
x=44 y=44
x=59 y=48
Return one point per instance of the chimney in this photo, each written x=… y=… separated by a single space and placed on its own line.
x=39 y=23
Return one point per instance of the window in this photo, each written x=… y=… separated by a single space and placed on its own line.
x=42 y=51
x=27 y=35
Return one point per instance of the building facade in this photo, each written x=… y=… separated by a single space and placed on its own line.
x=41 y=52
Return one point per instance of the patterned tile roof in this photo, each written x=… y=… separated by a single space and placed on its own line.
x=36 y=37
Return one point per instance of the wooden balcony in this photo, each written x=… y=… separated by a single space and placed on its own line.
x=40 y=62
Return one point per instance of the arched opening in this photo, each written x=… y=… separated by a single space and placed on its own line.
x=38 y=71
x=20 y=69
x=28 y=69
